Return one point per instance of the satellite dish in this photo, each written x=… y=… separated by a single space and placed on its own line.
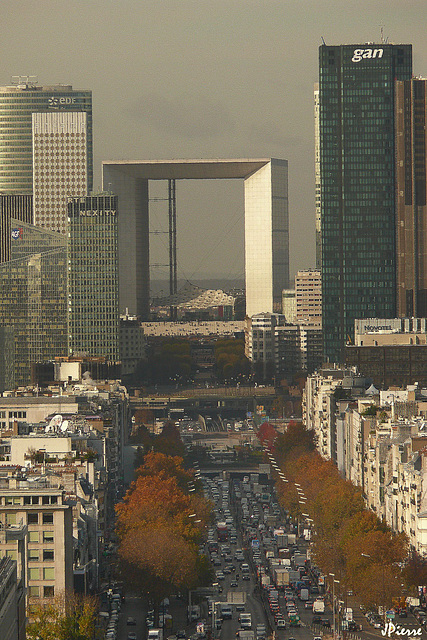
x=56 y=421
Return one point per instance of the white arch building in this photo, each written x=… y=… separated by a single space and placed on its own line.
x=266 y=223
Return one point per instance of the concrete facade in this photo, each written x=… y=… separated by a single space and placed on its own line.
x=266 y=224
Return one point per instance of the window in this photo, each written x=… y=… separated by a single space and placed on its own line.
x=47 y=536
x=48 y=592
x=34 y=592
x=48 y=554
x=11 y=553
x=33 y=574
x=48 y=518
x=49 y=573
x=13 y=500
x=33 y=555
x=33 y=536
x=33 y=518
x=11 y=518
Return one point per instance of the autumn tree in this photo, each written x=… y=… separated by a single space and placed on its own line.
x=160 y=524
x=347 y=539
x=68 y=616
x=267 y=434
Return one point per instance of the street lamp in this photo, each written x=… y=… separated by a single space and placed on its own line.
x=214 y=605
x=333 y=603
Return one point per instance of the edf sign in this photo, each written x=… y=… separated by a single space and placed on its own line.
x=58 y=102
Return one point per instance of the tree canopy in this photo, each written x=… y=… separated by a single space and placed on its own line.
x=347 y=539
x=160 y=524
x=68 y=616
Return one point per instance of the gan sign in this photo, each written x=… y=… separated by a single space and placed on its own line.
x=366 y=54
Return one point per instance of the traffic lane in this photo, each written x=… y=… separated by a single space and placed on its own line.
x=132 y=607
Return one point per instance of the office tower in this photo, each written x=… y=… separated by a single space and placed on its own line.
x=357 y=178
x=19 y=207
x=317 y=188
x=93 y=313
x=411 y=182
x=33 y=297
x=7 y=358
x=60 y=165
x=308 y=295
x=17 y=104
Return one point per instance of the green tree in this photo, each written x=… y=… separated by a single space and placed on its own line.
x=68 y=616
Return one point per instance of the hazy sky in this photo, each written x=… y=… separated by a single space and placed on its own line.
x=202 y=79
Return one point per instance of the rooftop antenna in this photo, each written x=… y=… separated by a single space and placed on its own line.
x=323 y=40
x=383 y=40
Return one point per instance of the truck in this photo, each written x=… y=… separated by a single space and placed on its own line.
x=349 y=614
x=319 y=606
x=245 y=620
x=281 y=577
x=245 y=634
x=292 y=538
x=193 y=613
x=226 y=611
x=294 y=576
x=299 y=559
x=155 y=634
x=412 y=602
x=222 y=531
x=282 y=540
x=304 y=595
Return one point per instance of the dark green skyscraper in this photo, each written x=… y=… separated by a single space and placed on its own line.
x=357 y=184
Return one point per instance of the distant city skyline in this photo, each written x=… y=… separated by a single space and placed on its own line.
x=197 y=79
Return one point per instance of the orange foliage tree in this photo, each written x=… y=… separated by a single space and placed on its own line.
x=347 y=539
x=160 y=524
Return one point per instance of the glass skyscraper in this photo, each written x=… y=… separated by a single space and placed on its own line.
x=17 y=104
x=411 y=187
x=357 y=184
x=33 y=300
x=93 y=290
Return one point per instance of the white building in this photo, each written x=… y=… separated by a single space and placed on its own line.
x=266 y=224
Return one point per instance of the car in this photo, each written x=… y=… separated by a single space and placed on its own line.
x=131 y=635
x=234 y=583
x=240 y=607
x=245 y=576
x=281 y=623
x=131 y=621
x=326 y=623
x=316 y=620
x=308 y=604
x=181 y=633
x=403 y=613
